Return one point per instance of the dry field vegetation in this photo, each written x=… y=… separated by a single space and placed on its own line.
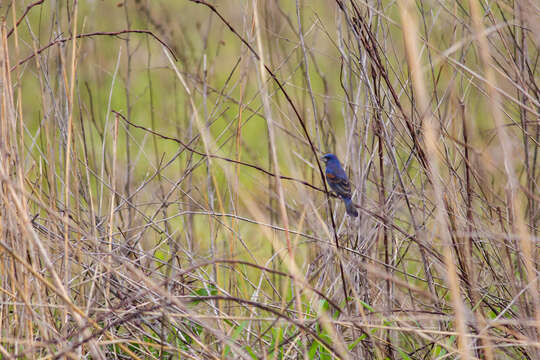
x=162 y=196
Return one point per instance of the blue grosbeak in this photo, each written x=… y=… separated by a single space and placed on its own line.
x=338 y=181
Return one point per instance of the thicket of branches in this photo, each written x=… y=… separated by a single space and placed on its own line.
x=162 y=194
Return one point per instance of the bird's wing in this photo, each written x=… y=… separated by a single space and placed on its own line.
x=339 y=184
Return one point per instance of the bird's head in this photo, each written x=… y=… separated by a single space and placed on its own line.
x=329 y=157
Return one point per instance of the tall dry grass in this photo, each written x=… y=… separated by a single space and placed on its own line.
x=162 y=196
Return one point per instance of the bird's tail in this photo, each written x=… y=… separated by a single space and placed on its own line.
x=351 y=209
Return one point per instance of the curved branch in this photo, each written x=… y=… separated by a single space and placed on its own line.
x=39 y=2
x=97 y=33
x=187 y=147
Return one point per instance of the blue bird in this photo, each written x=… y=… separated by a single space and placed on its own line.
x=338 y=181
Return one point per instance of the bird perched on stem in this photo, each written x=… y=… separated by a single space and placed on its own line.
x=338 y=181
